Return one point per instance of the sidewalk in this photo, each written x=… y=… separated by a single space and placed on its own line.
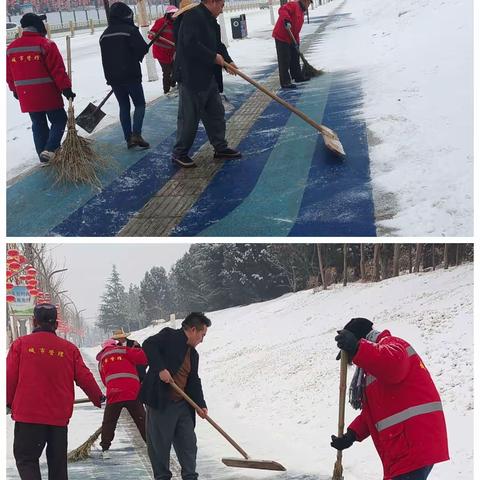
x=286 y=184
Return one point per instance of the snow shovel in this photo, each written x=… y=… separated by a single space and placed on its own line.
x=338 y=468
x=308 y=71
x=92 y=115
x=332 y=142
x=245 y=462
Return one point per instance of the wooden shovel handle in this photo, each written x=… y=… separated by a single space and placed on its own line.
x=322 y=129
x=81 y=400
x=341 y=398
x=214 y=424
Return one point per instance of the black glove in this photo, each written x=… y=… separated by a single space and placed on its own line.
x=347 y=341
x=341 y=443
x=9 y=410
x=15 y=95
x=296 y=46
x=68 y=94
x=287 y=24
x=103 y=398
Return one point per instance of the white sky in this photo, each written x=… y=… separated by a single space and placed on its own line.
x=90 y=265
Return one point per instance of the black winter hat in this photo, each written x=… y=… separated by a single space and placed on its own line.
x=33 y=20
x=359 y=327
x=121 y=11
x=45 y=313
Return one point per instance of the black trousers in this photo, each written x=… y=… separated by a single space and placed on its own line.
x=110 y=418
x=28 y=444
x=167 y=77
x=288 y=63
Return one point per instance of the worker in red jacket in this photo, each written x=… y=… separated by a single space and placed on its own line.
x=290 y=17
x=36 y=75
x=400 y=406
x=117 y=365
x=163 y=51
x=42 y=370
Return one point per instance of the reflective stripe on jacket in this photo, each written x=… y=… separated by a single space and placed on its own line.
x=402 y=409
x=36 y=73
x=162 y=51
x=117 y=366
x=293 y=13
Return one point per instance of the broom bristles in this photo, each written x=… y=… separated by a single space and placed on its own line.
x=83 y=451
x=76 y=161
x=337 y=471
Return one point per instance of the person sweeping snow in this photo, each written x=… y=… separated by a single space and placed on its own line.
x=400 y=407
x=37 y=77
x=163 y=51
x=117 y=366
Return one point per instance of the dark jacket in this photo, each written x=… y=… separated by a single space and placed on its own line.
x=198 y=42
x=141 y=369
x=167 y=349
x=122 y=47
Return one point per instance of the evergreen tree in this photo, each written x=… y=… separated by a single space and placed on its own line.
x=135 y=312
x=113 y=309
x=155 y=298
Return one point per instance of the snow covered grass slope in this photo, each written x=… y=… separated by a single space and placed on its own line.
x=415 y=59
x=271 y=379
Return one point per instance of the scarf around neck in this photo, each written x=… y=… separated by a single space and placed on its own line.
x=357 y=386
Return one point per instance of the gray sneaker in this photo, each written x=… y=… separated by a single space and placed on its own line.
x=46 y=157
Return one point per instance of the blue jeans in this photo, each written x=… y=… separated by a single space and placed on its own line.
x=123 y=94
x=420 y=474
x=45 y=137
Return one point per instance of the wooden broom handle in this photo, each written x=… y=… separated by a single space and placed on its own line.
x=71 y=118
x=214 y=424
x=341 y=397
x=320 y=128
x=81 y=400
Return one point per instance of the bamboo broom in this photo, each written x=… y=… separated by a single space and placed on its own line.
x=83 y=451
x=75 y=161
x=338 y=468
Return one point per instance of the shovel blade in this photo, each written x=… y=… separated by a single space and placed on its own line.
x=251 y=463
x=332 y=142
x=89 y=118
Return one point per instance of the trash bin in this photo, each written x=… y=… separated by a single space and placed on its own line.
x=239 y=26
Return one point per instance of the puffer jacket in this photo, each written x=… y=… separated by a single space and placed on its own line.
x=293 y=13
x=402 y=410
x=162 y=51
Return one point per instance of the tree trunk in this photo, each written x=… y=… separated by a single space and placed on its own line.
x=106 y=4
x=445 y=256
x=320 y=265
x=433 y=256
x=376 y=261
x=344 y=264
x=410 y=266
x=418 y=257
x=362 y=263
x=457 y=255
x=396 y=259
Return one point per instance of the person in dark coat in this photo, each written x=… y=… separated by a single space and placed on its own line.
x=42 y=370
x=290 y=18
x=171 y=357
x=123 y=48
x=200 y=57
x=400 y=407
x=37 y=77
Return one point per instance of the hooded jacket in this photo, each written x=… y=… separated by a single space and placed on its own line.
x=41 y=372
x=402 y=410
x=117 y=367
x=36 y=73
x=162 y=51
x=122 y=47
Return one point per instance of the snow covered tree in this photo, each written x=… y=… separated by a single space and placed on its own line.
x=155 y=298
x=113 y=309
x=135 y=312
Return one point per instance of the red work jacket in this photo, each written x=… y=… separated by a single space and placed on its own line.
x=162 y=51
x=41 y=371
x=36 y=73
x=402 y=410
x=117 y=366
x=293 y=13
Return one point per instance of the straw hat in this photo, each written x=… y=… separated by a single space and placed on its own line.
x=118 y=334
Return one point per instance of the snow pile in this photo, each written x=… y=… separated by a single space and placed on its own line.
x=415 y=59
